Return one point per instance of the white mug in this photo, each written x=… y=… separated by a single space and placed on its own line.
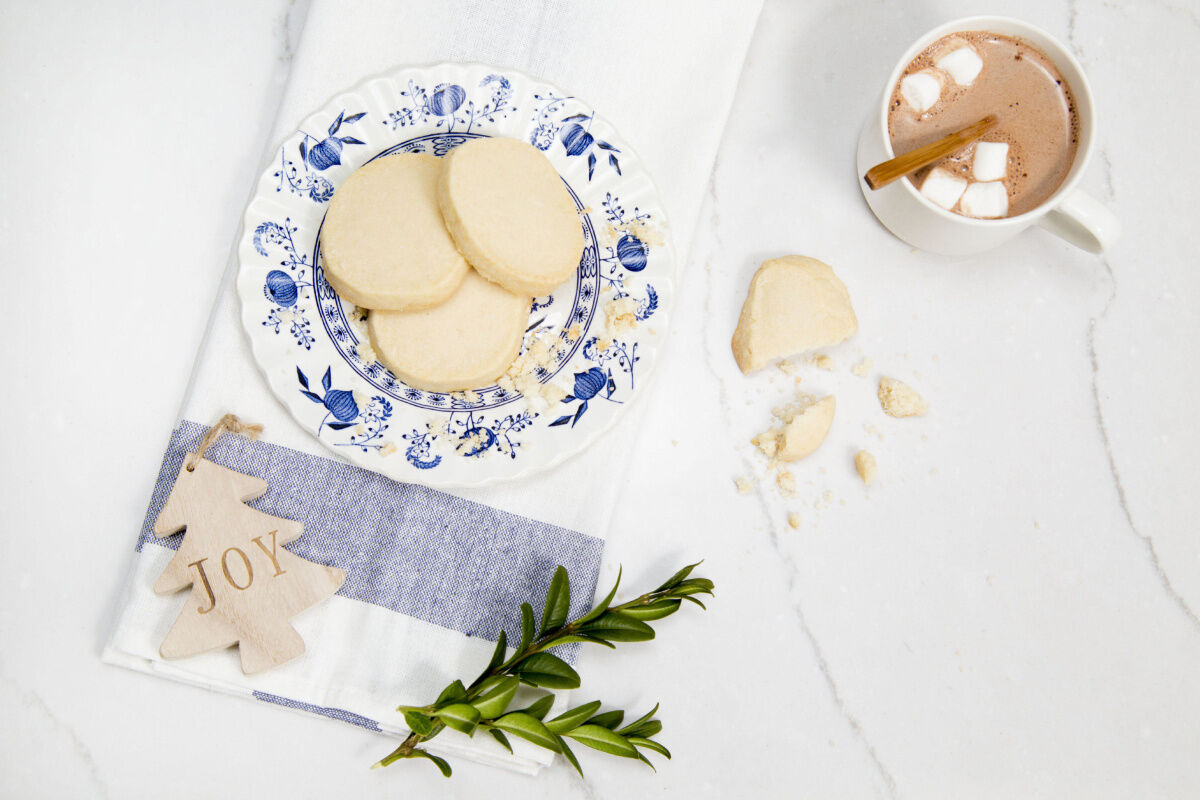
x=1069 y=212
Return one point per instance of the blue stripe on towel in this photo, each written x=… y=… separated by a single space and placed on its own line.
x=332 y=713
x=417 y=551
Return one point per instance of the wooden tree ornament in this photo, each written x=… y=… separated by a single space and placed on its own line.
x=245 y=585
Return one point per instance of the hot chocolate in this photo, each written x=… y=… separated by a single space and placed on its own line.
x=962 y=78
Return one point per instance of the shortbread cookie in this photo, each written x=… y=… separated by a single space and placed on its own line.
x=795 y=303
x=384 y=244
x=511 y=215
x=464 y=343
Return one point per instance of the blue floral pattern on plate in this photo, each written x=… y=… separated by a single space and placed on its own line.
x=301 y=329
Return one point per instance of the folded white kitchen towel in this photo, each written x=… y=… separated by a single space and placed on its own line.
x=434 y=576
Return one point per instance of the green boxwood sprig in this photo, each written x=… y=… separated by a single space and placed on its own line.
x=484 y=704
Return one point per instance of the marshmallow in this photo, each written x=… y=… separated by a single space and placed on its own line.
x=921 y=90
x=962 y=64
x=990 y=162
x=943 y=188
x=985 y=200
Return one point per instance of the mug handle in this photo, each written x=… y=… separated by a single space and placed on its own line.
x=1084 y=222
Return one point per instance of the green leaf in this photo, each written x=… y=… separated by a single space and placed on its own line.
x=647 y=717
x=452 y=693
x=526 y=627
x=677 y=577
x=646 y=761
x=460 y=716
x=440 y=762
x=649 y=744
x=529 y=728
x=499 y=736
x=691 y=599
x=609 y=719
x=573 y=718
x=547 y=670
x=540 y=707
x=604 y=604
x=644 y=729
x=617 y=626
x=419 y=724
x=693 y=586
x=558 y=601
x=604 y=740
x=578 y=637
x=495 y=698
x=497 y=654
x=652 y=611
x=569 y=755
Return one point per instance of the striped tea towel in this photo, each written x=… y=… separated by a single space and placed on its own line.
x=432 y=577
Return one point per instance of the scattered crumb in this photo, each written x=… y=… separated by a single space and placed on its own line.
x=574 y=332
x=365 y=352
x=767 y=442
x=824 y=362
x=864 y=462
x=794 y=520
x=898 y=399
x=787 y=367
x=874 y=431
x=1037 y=525
x=786 y=482
x=744 y=485
x=620 y=314
x=674 y=443
x=475 y=443
x=541 y=353
x=862 y=367
x=603 y=343
x=388 y=449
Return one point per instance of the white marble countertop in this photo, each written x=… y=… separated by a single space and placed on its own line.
x=1010 y=611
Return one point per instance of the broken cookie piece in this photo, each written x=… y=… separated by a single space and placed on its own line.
x=794 y=304
x=804 y=428
x=898 y=399
x=864 y=462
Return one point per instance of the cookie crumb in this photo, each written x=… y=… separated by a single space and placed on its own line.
x=824 y=362
x=794 y=520
x=786 y=482
x=744 y=485
x=388 y=449
x=898 y=399
x=862 y=367
x=365 y=352
x=864 y=462
x=620 y=314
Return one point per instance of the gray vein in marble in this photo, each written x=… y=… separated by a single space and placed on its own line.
x=773 y=533
x=1151 y=553
x=291 y=25
x=1094 y=356
x=33 y=700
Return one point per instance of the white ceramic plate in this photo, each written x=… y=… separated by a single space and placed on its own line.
x=307 y=340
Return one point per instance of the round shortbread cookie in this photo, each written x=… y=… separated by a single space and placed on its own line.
x=383 y=243
x=464 y=343
x=511 y=215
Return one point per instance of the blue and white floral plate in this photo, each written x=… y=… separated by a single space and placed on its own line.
x=307 y=340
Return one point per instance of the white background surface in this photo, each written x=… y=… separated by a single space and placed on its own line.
x=1011 y=610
